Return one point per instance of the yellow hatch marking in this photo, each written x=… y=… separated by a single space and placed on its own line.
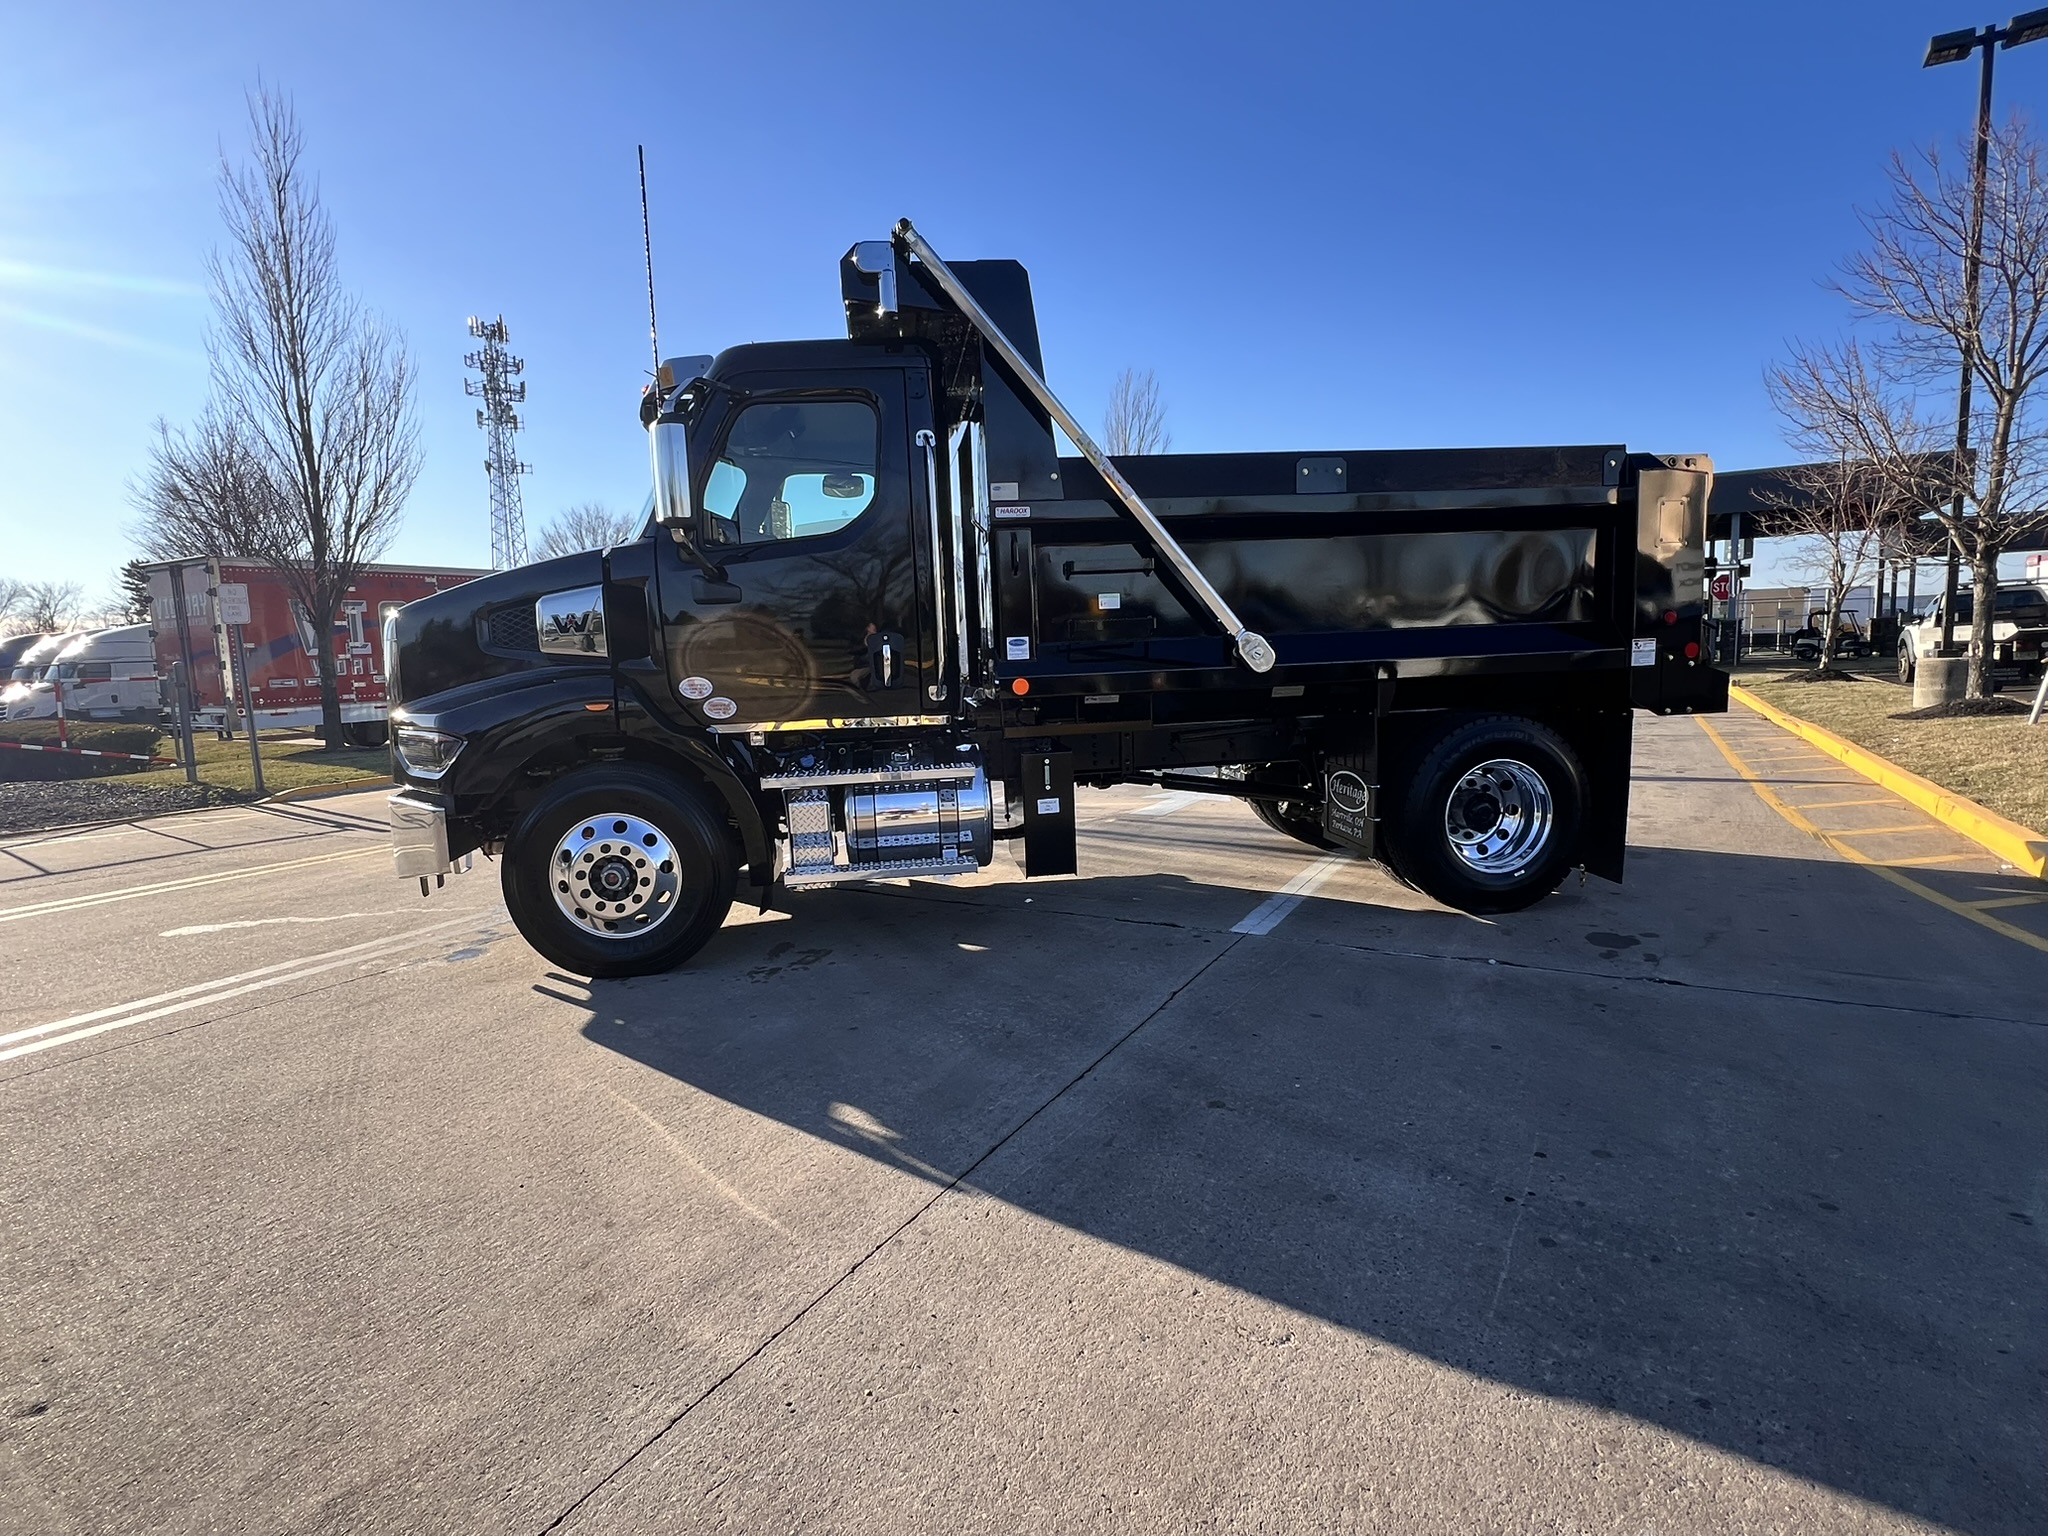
x=1884 y=871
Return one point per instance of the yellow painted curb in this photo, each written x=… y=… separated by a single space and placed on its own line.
x=315 y=791
x=2021 y=847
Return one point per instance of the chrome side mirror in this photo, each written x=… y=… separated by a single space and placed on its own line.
x=669 y=445
x=877 y=259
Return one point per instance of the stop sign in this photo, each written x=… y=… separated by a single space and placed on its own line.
x=1724 y=587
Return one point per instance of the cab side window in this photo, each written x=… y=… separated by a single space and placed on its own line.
x=792 y=469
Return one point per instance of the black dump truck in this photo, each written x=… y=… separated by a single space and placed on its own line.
x=876 y=624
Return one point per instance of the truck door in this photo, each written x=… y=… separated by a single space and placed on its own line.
x=808 y=503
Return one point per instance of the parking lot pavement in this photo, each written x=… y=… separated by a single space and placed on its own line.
x=1226 y=1185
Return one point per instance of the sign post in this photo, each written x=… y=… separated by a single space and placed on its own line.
x=233 y=600
x=181 y=676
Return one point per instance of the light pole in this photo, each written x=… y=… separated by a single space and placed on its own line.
x=1954 y=48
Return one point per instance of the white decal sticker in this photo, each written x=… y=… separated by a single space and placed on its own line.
x=1003 y=490
x=694 y=687
x=1049 y=807
x=1017 y=648
x=1013 y=511
x=720 y=709
x=1642 y=653
x=1108 y=600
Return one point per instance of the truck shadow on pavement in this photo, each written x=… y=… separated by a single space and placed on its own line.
x=1763 y=1188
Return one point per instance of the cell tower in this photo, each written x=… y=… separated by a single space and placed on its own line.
x=499 y=394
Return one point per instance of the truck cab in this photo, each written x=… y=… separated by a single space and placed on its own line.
x=31 y=668
x=108 y=674
x=2019 y=629
x=877 y=623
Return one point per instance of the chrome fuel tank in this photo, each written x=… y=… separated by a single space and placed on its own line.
x=946 y=821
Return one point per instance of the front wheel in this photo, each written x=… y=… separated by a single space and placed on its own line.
x=619 y=871
x=1906 y=662
x=1489 y=820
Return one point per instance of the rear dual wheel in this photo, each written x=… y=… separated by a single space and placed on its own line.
x=1489 y=819
x=619 y=871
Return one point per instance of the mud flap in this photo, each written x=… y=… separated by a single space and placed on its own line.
x=1351 y=800
x=1605 y=743
x=1048 y=787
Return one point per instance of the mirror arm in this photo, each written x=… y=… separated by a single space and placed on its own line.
x=687 y=543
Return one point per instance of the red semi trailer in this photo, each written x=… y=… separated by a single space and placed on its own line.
x=278 y=640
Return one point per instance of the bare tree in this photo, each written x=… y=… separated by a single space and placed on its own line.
x=10 y=598
x=206 y=492
x=1927 y=322
x=47 y=606
x=309 y=446
x=1136 y=419
x=587 y=525
x=1844 y=511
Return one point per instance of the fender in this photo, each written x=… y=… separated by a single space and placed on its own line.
x=506 y=722
x=566 y=715
x=704 y=757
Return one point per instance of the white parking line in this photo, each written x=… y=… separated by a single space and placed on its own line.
x=1167 y=804
x=1271 y=912
x=41 y=1037
x=190 y=882
x=123 y=829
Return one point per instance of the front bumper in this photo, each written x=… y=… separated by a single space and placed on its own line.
x=419 y=839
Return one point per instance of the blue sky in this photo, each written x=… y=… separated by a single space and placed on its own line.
x=1352 y=226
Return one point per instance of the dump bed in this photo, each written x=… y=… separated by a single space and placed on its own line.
x=1431 y=560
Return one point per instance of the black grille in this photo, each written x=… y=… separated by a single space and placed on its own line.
x=513 y=629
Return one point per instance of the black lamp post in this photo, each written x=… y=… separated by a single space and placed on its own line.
x=1954 y=48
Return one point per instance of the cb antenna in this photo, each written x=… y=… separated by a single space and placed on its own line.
x=647 y=246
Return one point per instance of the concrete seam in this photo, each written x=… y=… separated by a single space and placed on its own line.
x=905 y=1225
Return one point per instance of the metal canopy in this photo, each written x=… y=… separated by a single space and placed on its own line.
x=1763 y=498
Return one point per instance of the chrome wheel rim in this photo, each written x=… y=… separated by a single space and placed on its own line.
x=615 y=876
x=1498 y=817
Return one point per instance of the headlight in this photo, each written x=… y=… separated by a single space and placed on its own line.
x=426 y=754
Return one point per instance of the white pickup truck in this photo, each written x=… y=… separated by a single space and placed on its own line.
x=2019 y=625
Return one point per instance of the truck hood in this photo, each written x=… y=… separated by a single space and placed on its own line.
x=483 y=629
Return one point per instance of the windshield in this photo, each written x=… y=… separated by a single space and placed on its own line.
x=2016 y=605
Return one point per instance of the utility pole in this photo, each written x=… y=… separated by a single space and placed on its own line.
x=499 y=394
x=1954 y=48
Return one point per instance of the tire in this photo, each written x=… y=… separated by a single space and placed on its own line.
x=1298 y=819
x=1489 y=819
x=1906 y=662
x=612 y=824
